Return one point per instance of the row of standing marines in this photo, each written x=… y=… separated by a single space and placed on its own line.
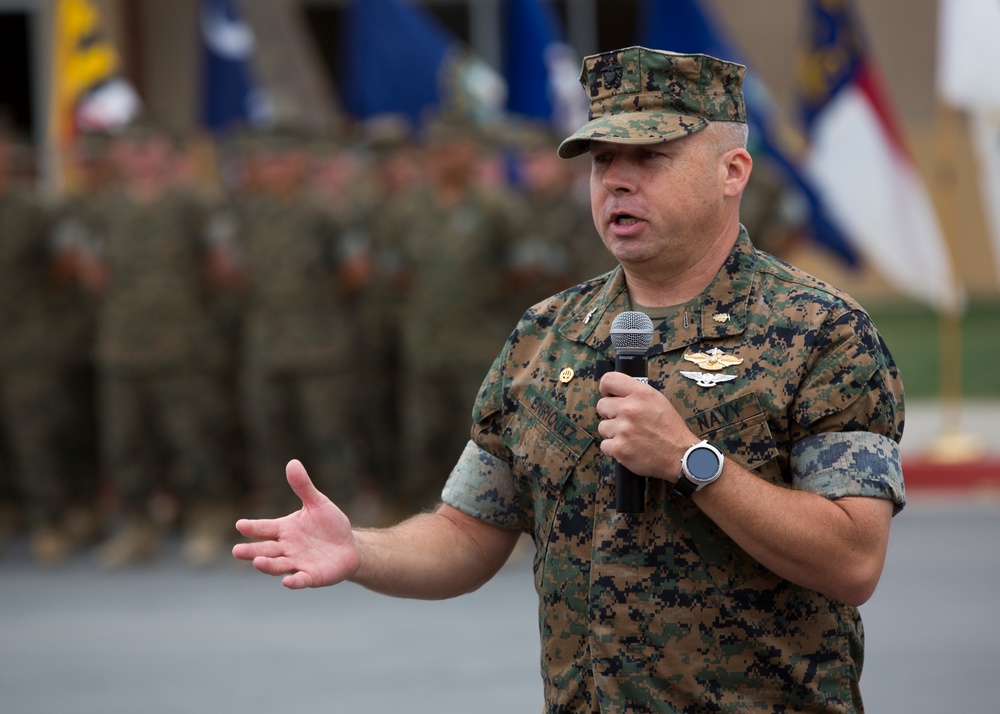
x=168 y=345
x=170 y=342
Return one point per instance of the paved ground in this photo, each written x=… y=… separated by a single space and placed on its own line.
x=165 y=639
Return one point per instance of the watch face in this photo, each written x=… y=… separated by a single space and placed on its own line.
x=702 y=463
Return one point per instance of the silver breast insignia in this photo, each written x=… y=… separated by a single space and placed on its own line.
x=708 y=380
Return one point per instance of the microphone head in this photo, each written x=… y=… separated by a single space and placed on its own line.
x=632 y=332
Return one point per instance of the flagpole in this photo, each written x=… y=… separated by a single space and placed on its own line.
x=953 y=444
x=54 y=151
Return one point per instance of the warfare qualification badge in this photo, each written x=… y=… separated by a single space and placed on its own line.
x=713 y=360
x=566 y=376
x=708 y=380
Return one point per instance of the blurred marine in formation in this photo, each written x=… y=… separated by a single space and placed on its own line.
x=33 y=407
x=456 y=238
x=159 y=354
x=299 y=346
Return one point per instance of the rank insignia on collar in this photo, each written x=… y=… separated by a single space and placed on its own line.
x=708 y=380
x=713 y=360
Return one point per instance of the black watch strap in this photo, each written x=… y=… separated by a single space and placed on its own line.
x=684 y=487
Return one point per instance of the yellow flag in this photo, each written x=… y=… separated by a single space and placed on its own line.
x=83 y=60
x=87 y=90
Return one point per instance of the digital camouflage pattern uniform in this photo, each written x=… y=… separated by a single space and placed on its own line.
x=159 y=352
x=299 y=368
x=558 y=242
x=379 y=337
x=454 y=317
x=32 y=411
x=75 y=315
x=661 y=611
x=557 y=227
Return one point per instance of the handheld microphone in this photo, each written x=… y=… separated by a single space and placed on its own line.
x=631 y=334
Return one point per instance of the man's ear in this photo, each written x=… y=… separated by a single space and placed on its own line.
x=737 y=164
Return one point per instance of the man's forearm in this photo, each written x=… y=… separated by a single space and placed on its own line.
x=432 y=556
x=834 y=547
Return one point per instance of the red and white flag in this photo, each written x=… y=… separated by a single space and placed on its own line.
x=859 y=162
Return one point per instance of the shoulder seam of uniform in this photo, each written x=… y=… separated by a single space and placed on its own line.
x=788 y=273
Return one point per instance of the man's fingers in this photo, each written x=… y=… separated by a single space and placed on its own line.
x=616 y=384
x=263 y=529
x=274 y=566
x=265 y=549
x=303 y=486
x=297 y=581
x=244 y=551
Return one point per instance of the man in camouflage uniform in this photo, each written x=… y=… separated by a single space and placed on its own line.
x=557 y=247
x=739 y=596
x=393 y=172
x=158 y=352
x=76 y=312
x=298 y=355
x=32 y=379
x=455 y=309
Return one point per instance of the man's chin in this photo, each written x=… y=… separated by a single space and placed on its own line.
x=627 y=251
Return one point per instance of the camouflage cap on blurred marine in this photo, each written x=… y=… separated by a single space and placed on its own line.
x=643 y=96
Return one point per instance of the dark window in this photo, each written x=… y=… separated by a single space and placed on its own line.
x=15 y=72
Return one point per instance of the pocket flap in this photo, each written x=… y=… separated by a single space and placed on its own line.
x=739 y=428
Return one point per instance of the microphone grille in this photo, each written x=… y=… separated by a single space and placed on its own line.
x=632 y=331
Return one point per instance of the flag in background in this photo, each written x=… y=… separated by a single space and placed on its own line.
x=88 y=91
x=392 y=57
x=860 y=163
x=541 y=70
x=688 y=27
x=230 y=95
x=968 y=67
x=395 y=58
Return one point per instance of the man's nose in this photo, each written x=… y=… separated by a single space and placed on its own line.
x=619 y=176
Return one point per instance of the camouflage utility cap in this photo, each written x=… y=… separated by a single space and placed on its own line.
x=643 y=96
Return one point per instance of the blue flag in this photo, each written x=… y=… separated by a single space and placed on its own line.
x=531 y=30
x=685 y=26
x=229 y=93
x=393 y=57
x=541 y=70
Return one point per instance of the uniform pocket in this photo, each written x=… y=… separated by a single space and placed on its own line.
x=739 y=429
x=546 y=447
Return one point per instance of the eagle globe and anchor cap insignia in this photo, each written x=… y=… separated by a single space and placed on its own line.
x=611 y=73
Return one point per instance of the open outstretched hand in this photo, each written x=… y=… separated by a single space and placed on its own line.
x=311 y=547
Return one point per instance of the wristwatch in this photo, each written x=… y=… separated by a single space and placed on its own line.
x=700 y=466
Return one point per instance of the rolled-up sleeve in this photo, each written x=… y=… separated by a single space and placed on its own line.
x=851 y=463
x=482 y=486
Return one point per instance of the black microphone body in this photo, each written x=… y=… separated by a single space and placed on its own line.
x=630 y=490
x=632 y=335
